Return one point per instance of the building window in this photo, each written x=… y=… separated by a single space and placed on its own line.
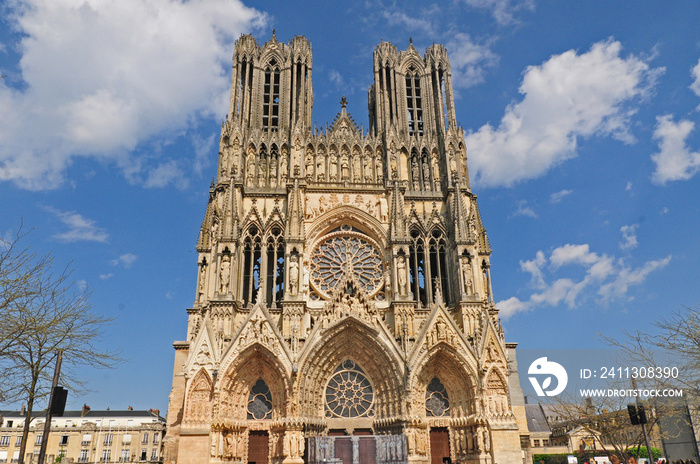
x=260 y=401
x=274 y=279
x=144 y=438
x=437 y=403
x=545 y=442
x=126 y=439
x=156 y=438
x=108 y=439
x=112 y=423
x=5 y=440
x=124 y=457
x=428 y=273
x=154 y=454
x=39 y=439
x=106 y=455
x=271 y=97
x=349 y=393
x=414 y=104
x=536 y=443
x=9 y=423
x=3 y=456
x=83 y=455
x=251 y=265
x=19 y=440
x=87 y=439
x=15 y=456
x=64 y=440
x=342 y=251
x=144 y=454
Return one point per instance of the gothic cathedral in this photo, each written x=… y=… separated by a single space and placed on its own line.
x=343 y=309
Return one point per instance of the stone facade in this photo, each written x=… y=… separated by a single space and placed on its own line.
x=85 y=436
x=343 y=279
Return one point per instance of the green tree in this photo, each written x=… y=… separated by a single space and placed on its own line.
x=43 y=312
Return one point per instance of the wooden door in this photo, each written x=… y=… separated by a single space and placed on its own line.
x=439 y=445
x=368 y=450
x=343 y=449
x=258 y=447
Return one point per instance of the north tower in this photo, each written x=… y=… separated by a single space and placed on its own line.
x=343 y=306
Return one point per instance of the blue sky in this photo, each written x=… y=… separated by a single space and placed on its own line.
x=580 y=120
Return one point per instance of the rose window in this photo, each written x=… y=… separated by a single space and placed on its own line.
x=349 y=393
x=346 y=252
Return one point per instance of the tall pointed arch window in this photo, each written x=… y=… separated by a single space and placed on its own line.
x=438 y=265
x=260 y=401
x=417 y=265
x=437 y=402
x=251 y=265
x=271 y=97
x=414 y=102
x=274 y=278
x=428 y=266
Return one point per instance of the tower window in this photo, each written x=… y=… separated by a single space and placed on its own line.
x=414 y=104
x=251 y=266
x=271 y=98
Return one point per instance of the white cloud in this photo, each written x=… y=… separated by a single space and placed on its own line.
x=166 y=173
x=399 y=18
x=569 y=96
x=695 y=86
x=524 y=210
x=80 y=228
x=202 y=153
x=106 y=276
x=674 y=160
x=604 y=278
x=628 y=187
x=125 y=260
x=556 y=197
x=469 y=60
x=629 y=237
x=100 y=78
x=336 y=78
x=503 y=11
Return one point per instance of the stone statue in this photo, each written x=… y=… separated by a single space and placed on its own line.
x=467 y=275
x=294 y=275
x=402 y=275
x=225 y=275
x=202 y=277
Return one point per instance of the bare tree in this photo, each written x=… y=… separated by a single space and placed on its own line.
x=43 y=313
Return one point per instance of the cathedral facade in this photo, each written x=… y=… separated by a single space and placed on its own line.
x=343 y=308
